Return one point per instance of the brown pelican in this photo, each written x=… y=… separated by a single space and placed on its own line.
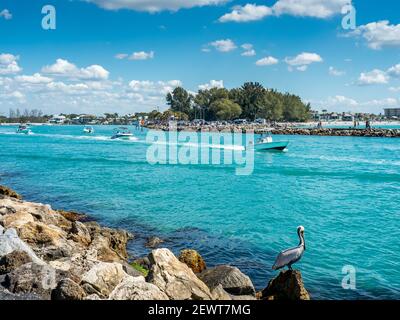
x=291 y=256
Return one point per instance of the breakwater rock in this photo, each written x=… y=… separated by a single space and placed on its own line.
x=289 y=130
x=48 y=254
x=377 y=133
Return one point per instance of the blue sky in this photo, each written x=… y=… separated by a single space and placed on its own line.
x=125 y=55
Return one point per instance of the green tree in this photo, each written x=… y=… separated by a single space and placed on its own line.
x=250 y=97
x=225 y=109
x=205 y=98
x=180 y=100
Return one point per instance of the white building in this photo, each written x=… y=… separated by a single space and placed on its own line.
x=392 y=112
x=58 y=119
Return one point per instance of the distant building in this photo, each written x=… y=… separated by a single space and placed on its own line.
x=347 y=117
x=57 y=119
x=392 y=112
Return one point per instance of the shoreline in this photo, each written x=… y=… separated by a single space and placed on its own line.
x=38 y=242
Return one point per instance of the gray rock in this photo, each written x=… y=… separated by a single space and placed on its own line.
x=7 y=295
x=245 y=298
x=231 y=278
x=13 y=260
x=92 y=297
x=6 y=210
x=104 y=277
x=219 y=293
x=153 y=242
x=9 y=242
x=175 y=278
x=144 y=262
x=67 y=289
x=136 y=288
x=1 y=230
x=33 y=278
x=131 y=271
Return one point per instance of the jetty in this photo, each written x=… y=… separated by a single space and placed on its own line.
x=283 y=130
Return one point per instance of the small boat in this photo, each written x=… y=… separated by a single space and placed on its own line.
x=122 y=133
x=24 y=129
x=266 y=143
x=88 y=130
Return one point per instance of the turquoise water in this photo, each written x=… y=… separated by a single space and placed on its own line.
x=344 y=190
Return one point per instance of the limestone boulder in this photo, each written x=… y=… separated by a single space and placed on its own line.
x=104 y=277
x=230 y=278
x=136 y=288
x=68 y=289
x=9 y=242
x=175 y=278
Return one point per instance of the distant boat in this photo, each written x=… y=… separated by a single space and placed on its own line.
x=266 y=143
x=24 y=129
x=88 y=130
x=122 y=133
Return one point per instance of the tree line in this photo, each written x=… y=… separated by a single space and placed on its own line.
x=25 y=116
x=251 y=101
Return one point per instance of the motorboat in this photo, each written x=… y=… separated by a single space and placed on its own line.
x=24 y=129
x=88 y=130
x=122 y=133
x=266 y=143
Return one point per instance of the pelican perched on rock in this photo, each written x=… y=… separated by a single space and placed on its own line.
x=291 y=256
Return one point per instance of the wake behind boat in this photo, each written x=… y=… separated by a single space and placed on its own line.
x=88 y=130
x=122 y=133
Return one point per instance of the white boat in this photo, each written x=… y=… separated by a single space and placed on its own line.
x=266 y=143
x=24 y=129
x=122 y=133
x=88 y=130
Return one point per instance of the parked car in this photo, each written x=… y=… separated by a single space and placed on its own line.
x=240 y=121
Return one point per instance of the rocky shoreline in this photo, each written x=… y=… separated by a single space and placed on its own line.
x=287 y=130
x=47 y=254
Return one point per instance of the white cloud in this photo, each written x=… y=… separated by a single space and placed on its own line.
x=267 y=61
x=310 y=8
x=335 y=72
x=36 y=78
x=154 y=5
x=379 y=34
x=6 y=14
x=9 y=64
x=121 y=56
x=394 y=71
x=154 y=88
x=14 y=95
x=67 y=69
x=246 y=13
x=340 y=103
x=373 y=77
x=303 y=60
x=248 y=50
x=212 y=84
x=301 y=68
x=224 y=45
x=321 y=9
x=394 y=89
x=142 y=55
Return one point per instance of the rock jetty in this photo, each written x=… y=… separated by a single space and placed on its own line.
x=48 y=254
x=287 y=130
